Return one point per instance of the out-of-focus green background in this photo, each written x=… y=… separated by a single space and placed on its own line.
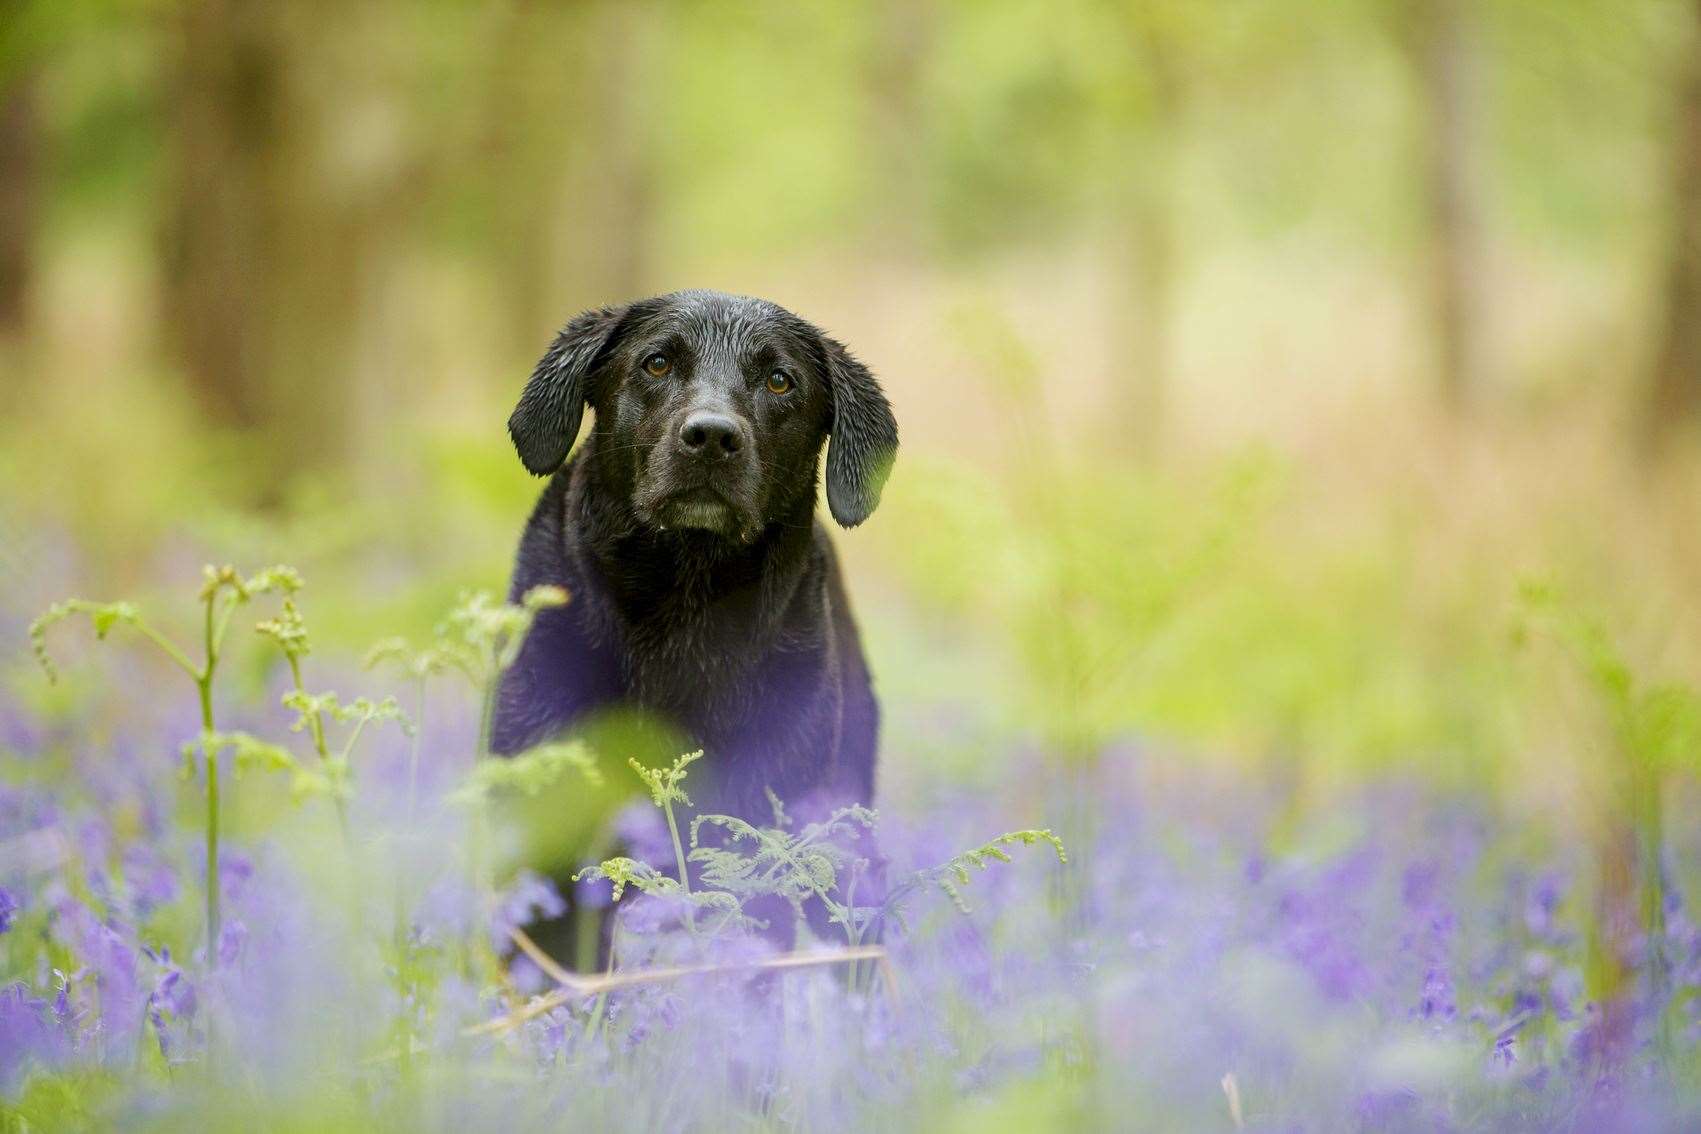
x=1250 y=355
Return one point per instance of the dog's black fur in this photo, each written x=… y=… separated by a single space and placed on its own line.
x=703 y=591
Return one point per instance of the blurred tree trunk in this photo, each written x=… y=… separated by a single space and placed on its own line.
x=288 y=187
x=20 y=199
x=1144 y=241
x=620 y=183
x=536 y=58
x=222 y=223
x=569 y=181
x=902 y=37
x=1442 y=45
x=1675 y=400
x=349 y=182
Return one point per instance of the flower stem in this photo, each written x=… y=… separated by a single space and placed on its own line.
x=204 y=684
x=679 y=860
x=486 y=714
x=413 y=753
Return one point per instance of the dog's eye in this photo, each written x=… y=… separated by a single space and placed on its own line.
x=779 y=382
x=657 y=365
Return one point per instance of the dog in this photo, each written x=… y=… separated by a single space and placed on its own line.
x=703 y=591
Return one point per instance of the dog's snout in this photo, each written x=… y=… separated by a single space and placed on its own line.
x=711 y=435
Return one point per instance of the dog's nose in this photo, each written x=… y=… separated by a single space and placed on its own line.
x=710 y=435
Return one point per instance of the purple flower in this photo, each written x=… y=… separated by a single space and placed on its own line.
x=1436 y=1003
x=445 y=911
x=530 y=897
x=171 y=1006
x=233 y=935
x=234 y=871
x=1388 y=1108
x=149 y=879
x=1505 y=1052
x=651 y=913
x=527 y=977
x=8 y=909
x=94 y=840
x=18 y=732
x=111 y=960
x=23 y=810
x=640 y=828
x=1541 y=907
x=29 y=1033
x=593 y=893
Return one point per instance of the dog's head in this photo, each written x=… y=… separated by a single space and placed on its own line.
x=711 y=411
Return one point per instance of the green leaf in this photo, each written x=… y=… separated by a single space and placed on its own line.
x=103 y=616
x=249 y=753
x=529 y=773
x=361 y=711
x=287 y=630
x=956 y=872
x=664 y=783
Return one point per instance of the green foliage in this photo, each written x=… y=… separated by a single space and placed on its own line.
x=664 y=783
x=69 y=1100
x=497 y=632
x=103 y=616
x=223 y=590
x=756 y=861
x=249 y=753
x=1657 y=727
x=478 y=639
x=287 y=630
x=329 y=778
x=307 y=705
x=280 y=579
x=819 y=862
x=1089 y=589
x=1654 y=732
x=622 y=872
x=954 y=873
x=361 y=711
x=529 y=773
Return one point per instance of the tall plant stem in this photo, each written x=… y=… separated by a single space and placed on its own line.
x=486 y=714
x=316 y=725
x=204 y=684
x=679 y=860
x=413 y=752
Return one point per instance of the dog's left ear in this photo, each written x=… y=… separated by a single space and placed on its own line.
x=546 y=421
x=864 y=437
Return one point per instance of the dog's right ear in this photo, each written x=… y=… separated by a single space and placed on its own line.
x=546 y=421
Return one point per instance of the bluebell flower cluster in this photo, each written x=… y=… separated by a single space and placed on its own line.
x=1404 y=964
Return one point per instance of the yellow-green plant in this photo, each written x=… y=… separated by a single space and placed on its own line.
x=817 y=862
x=223 y=590
x=1654 y=730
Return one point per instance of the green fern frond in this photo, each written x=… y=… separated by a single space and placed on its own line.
x=529 y=773
x=956 y=872
x=287 y=630
x=102 y=615
x=664 y=783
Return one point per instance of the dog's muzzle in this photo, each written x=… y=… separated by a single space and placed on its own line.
x=707 y=480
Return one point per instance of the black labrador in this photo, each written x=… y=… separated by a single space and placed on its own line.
x=703 y=591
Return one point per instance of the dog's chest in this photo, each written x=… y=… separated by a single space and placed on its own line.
x=716 y=659
x=693 y=659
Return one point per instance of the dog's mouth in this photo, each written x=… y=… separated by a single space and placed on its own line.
x=697 y=508
x=702 y=508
